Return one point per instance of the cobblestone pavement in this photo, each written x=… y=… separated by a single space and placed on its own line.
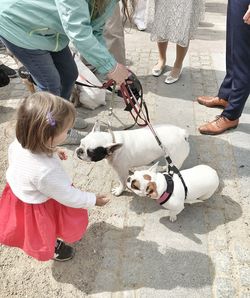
x=131 y=249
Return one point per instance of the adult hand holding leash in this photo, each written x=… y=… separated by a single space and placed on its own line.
x=119 y=74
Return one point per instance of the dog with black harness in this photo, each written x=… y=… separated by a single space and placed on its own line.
x=173 y=190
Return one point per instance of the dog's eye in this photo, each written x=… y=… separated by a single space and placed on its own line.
x=90 y=153
x=151 y=188
x=135 y=184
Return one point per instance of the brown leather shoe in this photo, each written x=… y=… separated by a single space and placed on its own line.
x=212 y=101
x=219 y=125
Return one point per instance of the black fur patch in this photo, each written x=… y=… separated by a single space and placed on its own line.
x=97 y=154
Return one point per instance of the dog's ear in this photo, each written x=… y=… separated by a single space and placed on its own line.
x=96 y=126
x=113 y=147
x=151 y=190
x=154 y=167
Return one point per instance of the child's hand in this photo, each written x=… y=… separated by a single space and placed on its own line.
x=101 y=200
x=62 y=154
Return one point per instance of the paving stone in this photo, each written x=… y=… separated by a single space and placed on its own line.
x=245 y=276
x=224 y=288
x=242 y=251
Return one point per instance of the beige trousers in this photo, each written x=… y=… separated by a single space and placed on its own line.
x=114 y=36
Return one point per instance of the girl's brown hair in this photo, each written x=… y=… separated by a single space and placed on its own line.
x=41 y=117
x=98 y=7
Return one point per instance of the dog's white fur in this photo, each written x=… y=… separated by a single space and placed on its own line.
x=201 y=181
x=133 y=148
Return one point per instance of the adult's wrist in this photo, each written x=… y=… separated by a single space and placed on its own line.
x=112 y=71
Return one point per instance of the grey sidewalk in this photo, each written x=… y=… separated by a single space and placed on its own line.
x=131 y=249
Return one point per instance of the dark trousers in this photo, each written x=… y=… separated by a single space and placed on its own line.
x=55 y=72
x=235 y=87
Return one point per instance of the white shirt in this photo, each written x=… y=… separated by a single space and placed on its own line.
x=35 y=178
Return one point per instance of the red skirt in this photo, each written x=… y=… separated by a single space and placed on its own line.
x=35 y=227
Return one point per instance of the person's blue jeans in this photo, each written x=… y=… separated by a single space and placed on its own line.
x=55 y=72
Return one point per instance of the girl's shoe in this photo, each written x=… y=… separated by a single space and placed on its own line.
x=63 y=252
x=4 y=79
x=171 y=79
x=10 y=72
x=156 y=72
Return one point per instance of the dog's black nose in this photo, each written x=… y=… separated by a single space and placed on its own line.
x=128 y=179
x=79 y=151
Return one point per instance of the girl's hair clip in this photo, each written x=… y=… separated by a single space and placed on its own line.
x=51 y=120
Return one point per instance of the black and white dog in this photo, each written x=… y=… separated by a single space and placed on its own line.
x=133 y=148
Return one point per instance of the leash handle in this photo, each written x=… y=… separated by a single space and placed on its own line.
x=140 y=110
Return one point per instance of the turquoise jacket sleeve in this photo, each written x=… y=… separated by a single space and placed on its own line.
x=76 y=21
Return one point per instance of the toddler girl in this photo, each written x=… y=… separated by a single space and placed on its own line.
x=39 y=204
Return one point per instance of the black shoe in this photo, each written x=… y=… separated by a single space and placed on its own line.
x=63 y=252
x=4 y=79
x=11 y=73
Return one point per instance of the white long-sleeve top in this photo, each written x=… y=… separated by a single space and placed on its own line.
x=35 y=178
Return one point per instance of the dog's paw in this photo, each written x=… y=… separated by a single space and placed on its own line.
x=117 y=190
x=172 y=217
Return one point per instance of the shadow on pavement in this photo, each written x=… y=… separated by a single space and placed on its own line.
x=210 y=34
x=7 y=114
x=110 y=259
x=183 y=88
x=216 y=7
x=228 y=160
x=217 y=211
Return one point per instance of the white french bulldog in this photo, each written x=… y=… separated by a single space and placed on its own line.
x=133 y=148
x=201 y=182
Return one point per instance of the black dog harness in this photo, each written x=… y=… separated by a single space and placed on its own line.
x=170 y=186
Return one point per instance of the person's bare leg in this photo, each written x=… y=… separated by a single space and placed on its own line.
x=180 y=55
x=162 y=48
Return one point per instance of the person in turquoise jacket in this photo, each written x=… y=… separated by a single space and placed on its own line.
x=38 y=34
x=43 y=29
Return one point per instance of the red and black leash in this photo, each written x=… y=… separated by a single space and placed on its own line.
x=172 y=169
x=132 y=93
x=129 y=91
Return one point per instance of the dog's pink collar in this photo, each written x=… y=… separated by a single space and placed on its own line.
x=163 y=198
x=167 y=194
